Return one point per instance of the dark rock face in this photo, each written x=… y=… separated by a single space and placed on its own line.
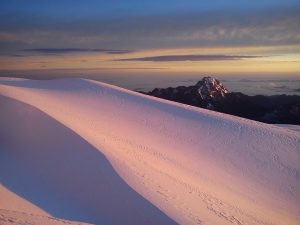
x=209 y=93
x=203 y=94
x=210 y=88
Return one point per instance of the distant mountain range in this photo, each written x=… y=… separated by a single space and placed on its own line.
x=211 y=94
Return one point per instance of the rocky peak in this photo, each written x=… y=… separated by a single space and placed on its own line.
x=210 y=93
x=211 y=88
x=206 y=93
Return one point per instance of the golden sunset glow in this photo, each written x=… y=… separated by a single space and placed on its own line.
x=266 y=60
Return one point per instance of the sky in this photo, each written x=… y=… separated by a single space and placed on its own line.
x=159 y=37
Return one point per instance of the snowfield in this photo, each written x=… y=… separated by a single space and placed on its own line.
x=87 y=151
x=14 y=217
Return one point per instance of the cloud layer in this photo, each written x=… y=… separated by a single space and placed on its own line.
x=230 y=27
x=176 y=58
x=74 y=50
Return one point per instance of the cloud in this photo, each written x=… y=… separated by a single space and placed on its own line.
x=297 y=90
x=286 y=88
x=17 y=55
x=282 y=87
x=228 y=27
x=74 y=50
x=247 y=80
x=176 y=58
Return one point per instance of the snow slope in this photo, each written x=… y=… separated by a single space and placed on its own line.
x=289 y=126
x=8 y=217
x=52 y=171
x=102 y=154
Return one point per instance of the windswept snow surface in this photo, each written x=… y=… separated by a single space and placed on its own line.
x=87 y=151
x=8 y=217
x=289 y=126
x=60 y=174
